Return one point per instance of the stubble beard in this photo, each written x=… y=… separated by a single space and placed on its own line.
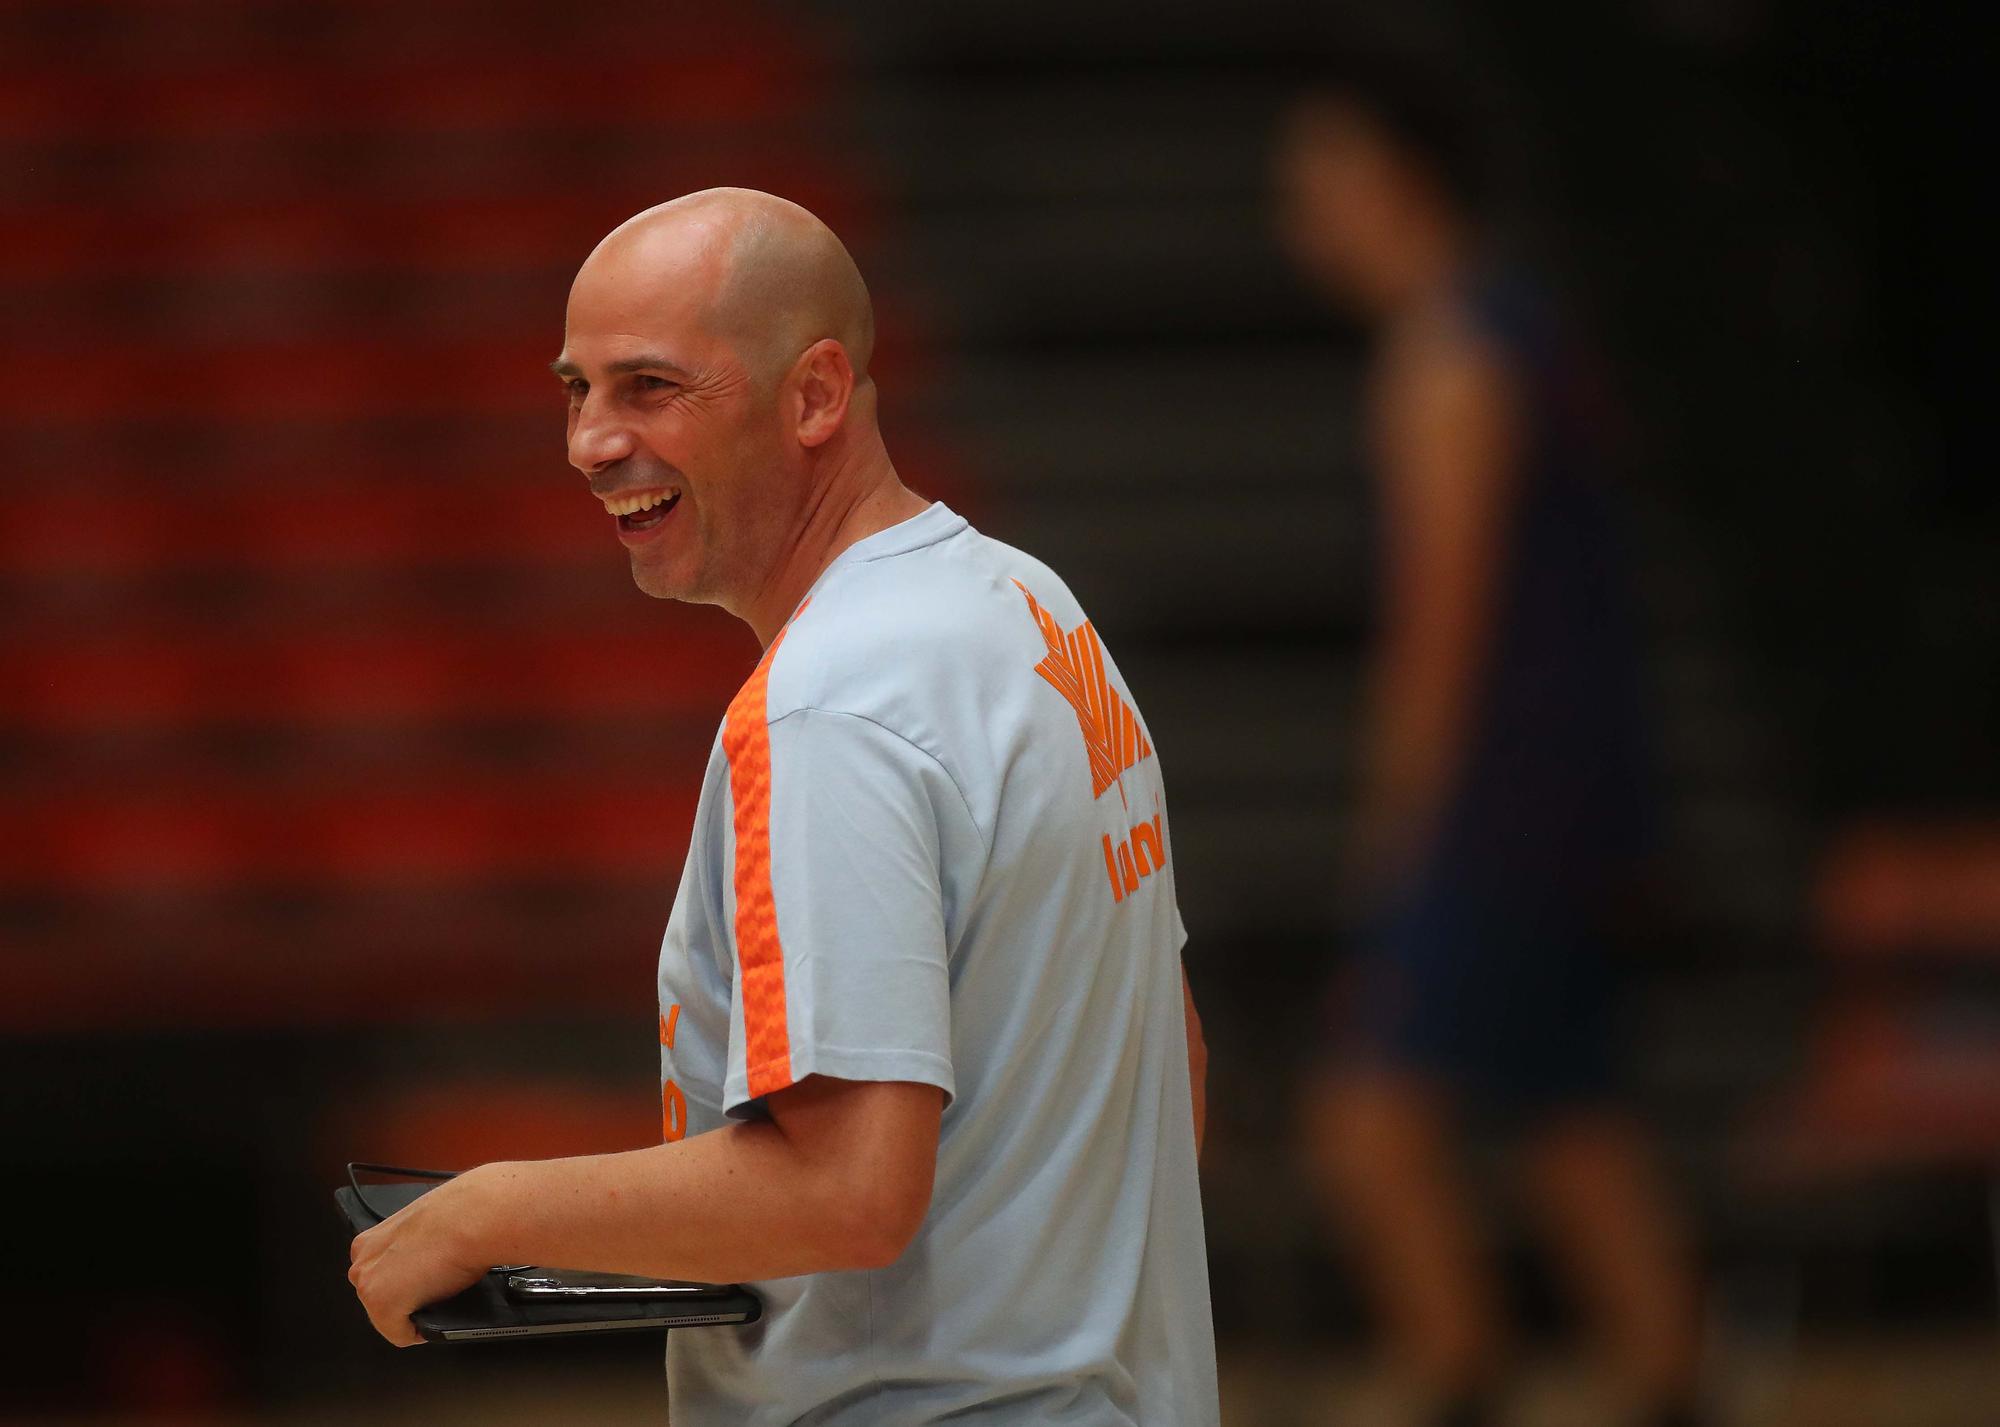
x=662 y=586
x=655 y=577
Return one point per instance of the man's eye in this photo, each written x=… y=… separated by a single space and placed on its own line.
x=646 y=383
x=577 y=388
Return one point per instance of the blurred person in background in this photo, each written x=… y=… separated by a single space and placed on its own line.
x=1503 y=810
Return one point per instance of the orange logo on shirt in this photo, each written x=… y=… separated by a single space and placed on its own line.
x=673 y=1104
x=1134 y=857
x=1075 y=667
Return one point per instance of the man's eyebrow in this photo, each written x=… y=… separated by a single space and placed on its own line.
x=563 y=367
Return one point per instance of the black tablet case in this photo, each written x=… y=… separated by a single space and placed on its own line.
x=485 y=1311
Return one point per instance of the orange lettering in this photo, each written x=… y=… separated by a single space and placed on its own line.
x=674 y=1112
x=1140 y=855
x=667 y=1024
x=1146 y=839
x=1125 y=867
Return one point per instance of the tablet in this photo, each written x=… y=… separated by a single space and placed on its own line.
x=526 y=1301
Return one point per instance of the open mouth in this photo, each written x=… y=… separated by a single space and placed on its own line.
x=643 y=511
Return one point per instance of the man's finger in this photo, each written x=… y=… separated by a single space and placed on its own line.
x=396 y=1327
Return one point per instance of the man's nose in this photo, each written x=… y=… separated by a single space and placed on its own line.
x=597 y=438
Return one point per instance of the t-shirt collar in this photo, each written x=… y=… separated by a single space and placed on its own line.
x=936 y=521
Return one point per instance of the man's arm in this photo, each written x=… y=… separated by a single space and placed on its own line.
x=839 y=1177
x=1197 y=1063
x=1448 y=432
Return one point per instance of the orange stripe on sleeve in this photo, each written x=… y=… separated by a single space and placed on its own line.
x=746 y=742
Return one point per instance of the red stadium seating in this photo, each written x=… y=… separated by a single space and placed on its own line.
x=315 y=657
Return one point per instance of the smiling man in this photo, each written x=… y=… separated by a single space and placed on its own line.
x=931 y=1079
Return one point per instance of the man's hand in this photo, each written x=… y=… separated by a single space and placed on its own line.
x=414 y=1258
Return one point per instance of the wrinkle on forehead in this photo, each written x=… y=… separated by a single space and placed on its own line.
x=771 y=278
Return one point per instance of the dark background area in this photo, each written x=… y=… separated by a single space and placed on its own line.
x=347 y=778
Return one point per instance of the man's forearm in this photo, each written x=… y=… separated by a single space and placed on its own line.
x=838 y=1177
x=738 y=1203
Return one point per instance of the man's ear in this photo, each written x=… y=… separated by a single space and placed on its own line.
x=825 y=386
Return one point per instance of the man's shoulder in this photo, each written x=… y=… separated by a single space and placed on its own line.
x=896 y=631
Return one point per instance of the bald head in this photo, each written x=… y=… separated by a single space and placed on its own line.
x=715 y=357
x=775 y=278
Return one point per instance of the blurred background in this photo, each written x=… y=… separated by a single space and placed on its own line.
x=347 y=778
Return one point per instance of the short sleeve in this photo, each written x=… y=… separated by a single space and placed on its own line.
x=841 y=965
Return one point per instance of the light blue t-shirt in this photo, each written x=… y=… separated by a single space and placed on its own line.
x=932 y=846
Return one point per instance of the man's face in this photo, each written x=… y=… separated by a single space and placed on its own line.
x=680 y=439
x=1344 y=203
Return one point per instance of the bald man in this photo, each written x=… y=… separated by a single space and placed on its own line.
x=931 y=1080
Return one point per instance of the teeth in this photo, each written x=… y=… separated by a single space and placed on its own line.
x=633 y=504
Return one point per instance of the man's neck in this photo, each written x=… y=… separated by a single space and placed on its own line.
x=852 y=504
x=1427 y=268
